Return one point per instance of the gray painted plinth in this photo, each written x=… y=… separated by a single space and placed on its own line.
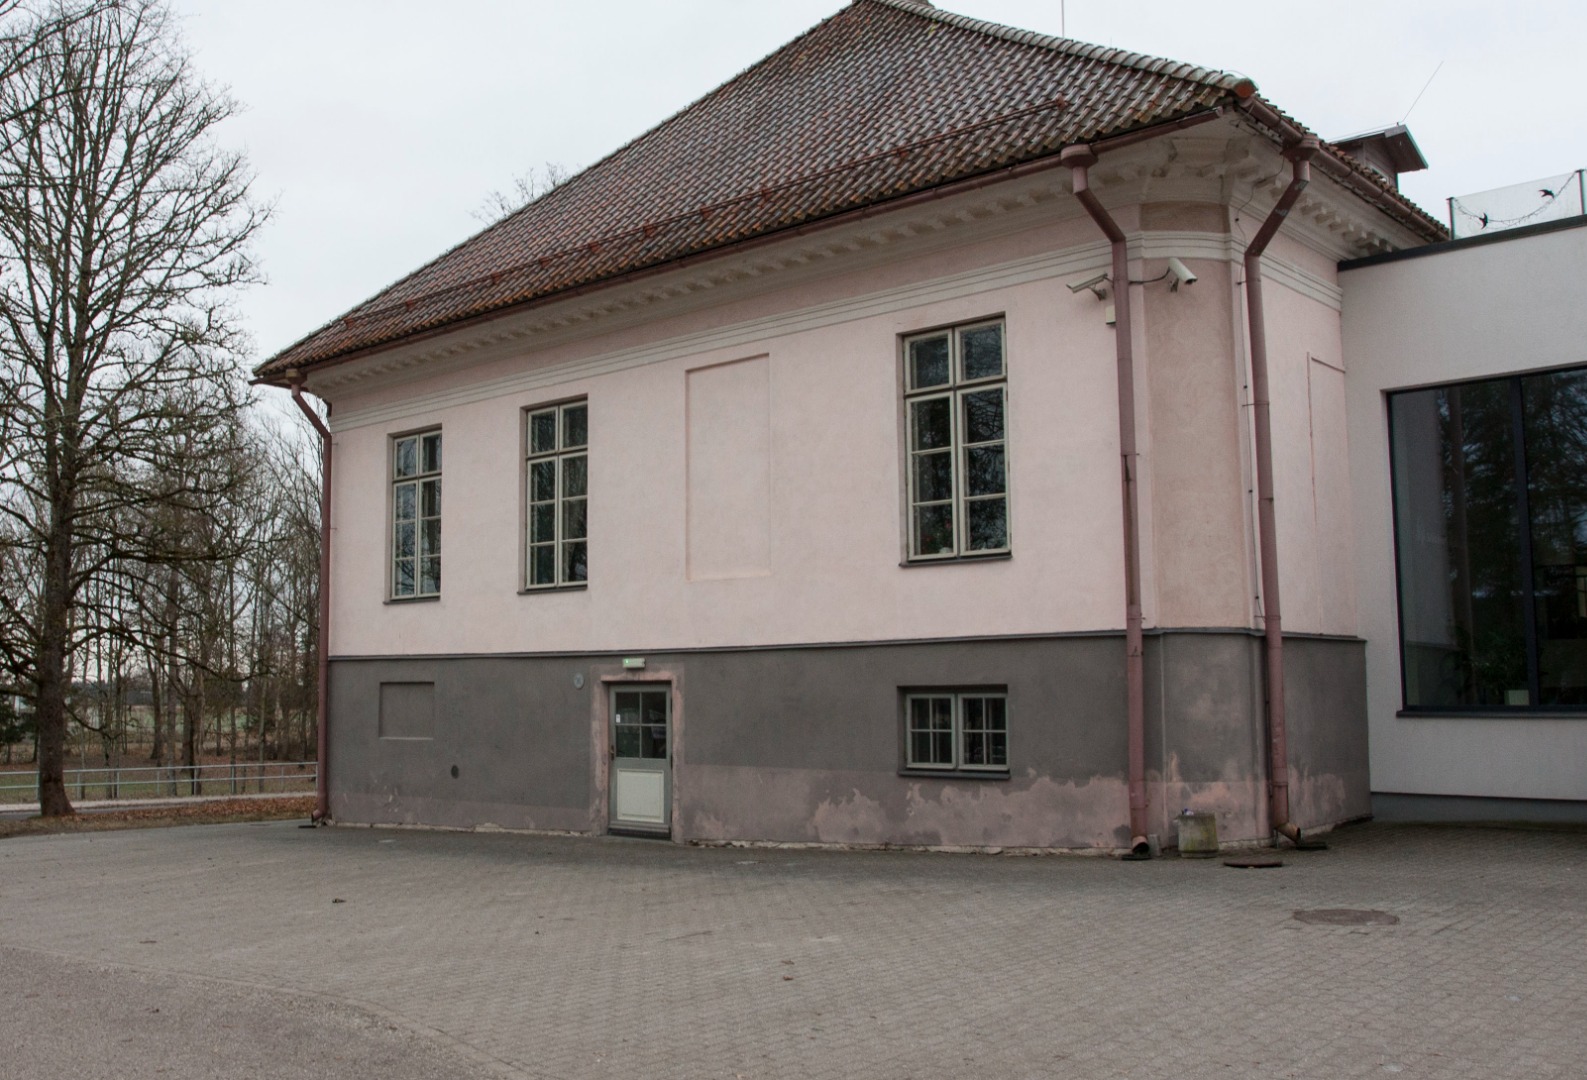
x=806 y=744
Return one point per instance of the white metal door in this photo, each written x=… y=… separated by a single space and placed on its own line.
x=641 y=754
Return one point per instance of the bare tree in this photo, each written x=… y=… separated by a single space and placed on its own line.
x=124 y=232
x=526 y=187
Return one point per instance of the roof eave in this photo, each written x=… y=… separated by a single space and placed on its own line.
x=274 y=371
x=1342 y=169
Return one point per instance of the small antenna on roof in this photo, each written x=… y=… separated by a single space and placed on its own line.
x=1425 y=85
x=1063 y=21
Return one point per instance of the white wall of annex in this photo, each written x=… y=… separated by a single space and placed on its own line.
x=1508 y=306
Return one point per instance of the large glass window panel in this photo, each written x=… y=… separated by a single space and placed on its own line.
x=1490 y=510
x=1462 y=631
x=1555 y=412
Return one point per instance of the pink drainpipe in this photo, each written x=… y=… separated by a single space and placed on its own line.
x=1080 y=159
x=322 y=791
x=1299 y=155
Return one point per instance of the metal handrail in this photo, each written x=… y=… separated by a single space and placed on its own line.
x=167 y=781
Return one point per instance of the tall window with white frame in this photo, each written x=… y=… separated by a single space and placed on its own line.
x=416 y=515
x=557 y=552
x=956 y=732
x=956 y=405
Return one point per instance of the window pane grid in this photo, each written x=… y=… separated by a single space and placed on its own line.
x=556 y=533
x=957 y=732
x=957 y=459
x=416 y=515
x=984 y=725
x=931 y=732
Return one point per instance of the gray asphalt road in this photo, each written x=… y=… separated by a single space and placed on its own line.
x=77 y=1021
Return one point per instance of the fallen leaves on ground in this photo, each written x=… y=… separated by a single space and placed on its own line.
x=218 y=812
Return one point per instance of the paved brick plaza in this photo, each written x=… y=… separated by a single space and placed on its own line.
x=573 y=958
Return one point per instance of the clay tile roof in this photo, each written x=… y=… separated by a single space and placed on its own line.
x=885 y=98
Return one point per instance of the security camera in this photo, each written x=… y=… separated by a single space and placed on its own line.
x=1098 y=285
x=1182 y=274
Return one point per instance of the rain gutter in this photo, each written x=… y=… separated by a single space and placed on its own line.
x=1080 y=159
x=1300 y=155
x=322 y=791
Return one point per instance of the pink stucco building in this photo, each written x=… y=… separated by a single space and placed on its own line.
x=871 y=453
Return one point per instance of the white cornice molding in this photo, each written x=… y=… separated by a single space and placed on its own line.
x=1218 y=164
x=1072 y=262
x=913 y=233
x=1090 y=257
x=1161 y=244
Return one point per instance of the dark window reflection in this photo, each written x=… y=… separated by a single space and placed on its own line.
x=640 y=718
x=1556 y=476
x=1490 y=502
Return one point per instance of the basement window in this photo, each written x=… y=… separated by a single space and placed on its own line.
x=964 y=732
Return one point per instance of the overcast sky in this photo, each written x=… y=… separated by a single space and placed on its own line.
x=378 y=127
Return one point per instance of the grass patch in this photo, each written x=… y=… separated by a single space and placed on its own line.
x=219 y=812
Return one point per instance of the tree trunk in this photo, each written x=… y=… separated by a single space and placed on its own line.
x=193 y=712
x=50 y=665
x=157 y=748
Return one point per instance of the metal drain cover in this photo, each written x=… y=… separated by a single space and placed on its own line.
x=1254 y=862
x=1346 y=917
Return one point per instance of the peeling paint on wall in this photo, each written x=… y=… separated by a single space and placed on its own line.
x=793 y=805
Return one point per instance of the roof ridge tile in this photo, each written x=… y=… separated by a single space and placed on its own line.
x=1156 y=65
